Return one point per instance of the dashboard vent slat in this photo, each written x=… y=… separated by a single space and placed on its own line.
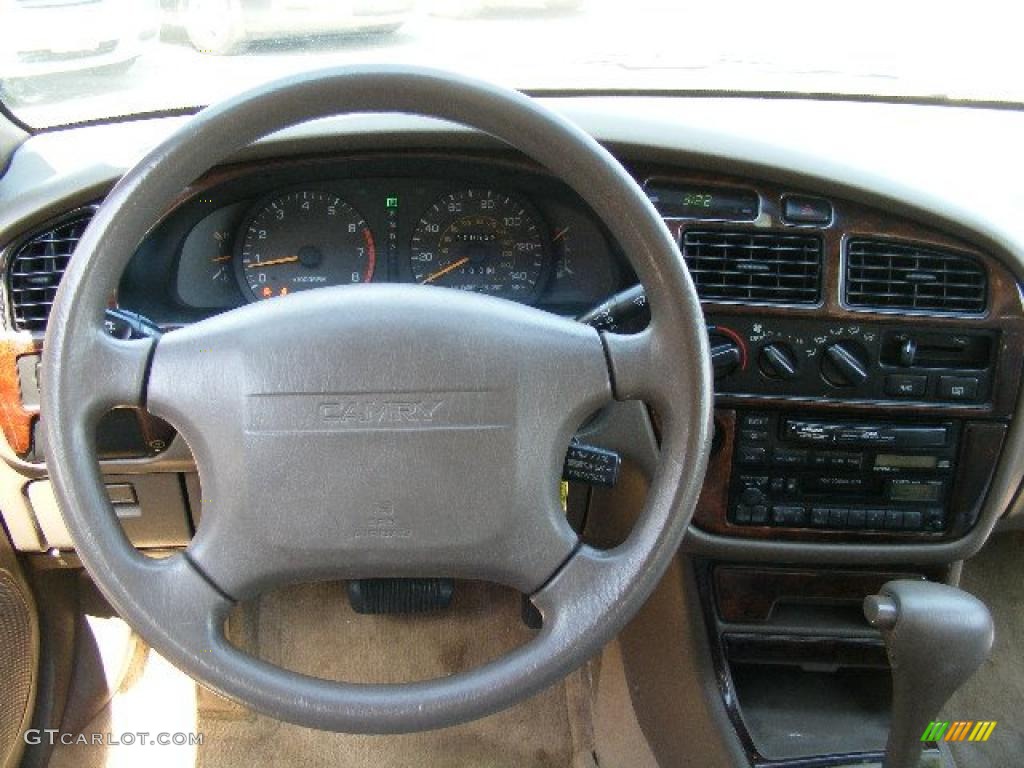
x=773 y=268
x=36 y=268
x=885 y=275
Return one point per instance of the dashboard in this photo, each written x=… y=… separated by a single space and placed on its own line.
x=866 y=358
x=859 y=268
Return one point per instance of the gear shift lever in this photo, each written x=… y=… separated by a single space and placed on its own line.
x=936 y=637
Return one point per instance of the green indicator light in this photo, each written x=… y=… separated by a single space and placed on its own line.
x=391 y=202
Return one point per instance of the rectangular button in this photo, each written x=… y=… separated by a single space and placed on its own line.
x=855 y=518
x=912 y=521
x=759 y=514
x=839 y=460
x=754 y=481
x=122 y=493
x=905 y=385
x=797 y=209
x=874 y=519
x=742 y=515
x=789 y=515
x=958 y=388
x=790 y=458
x=893 y=519
x=755 y=420
x=754 y=435
x=819 y=517
x=753 y=455
x=837 y=518
x=934 y=519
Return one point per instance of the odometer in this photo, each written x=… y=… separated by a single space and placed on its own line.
x=483 y=241
x=302 y=240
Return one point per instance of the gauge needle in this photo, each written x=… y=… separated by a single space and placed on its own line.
x=560 y=234
x=444 y=270
x=221 y=259
x=272 y=262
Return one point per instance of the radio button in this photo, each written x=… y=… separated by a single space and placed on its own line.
x=934 y=520
x=790 y=458
x=912 y=521
x=751 y=496
x=819 y=517
x=789 y=515
x=753 y=455
x=874 y=519
x=906 y=385
x=958 y=388
x=837 y=517
x=893 y=519
x=754 y=481
x=836 y=460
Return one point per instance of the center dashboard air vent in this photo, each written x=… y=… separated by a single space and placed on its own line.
x=36 y=268
x=771 y=268
x=887 y=275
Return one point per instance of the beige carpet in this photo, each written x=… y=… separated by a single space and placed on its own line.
x=311 y=629
x=996 y=692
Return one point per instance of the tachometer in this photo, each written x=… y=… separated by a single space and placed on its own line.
x=480 y=240
x=302 y=240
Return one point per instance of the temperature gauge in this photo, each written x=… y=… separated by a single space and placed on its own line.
x=205 y=274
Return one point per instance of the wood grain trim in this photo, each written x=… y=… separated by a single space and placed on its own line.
x=745 y=595
x=15 y=418
x=714 y=495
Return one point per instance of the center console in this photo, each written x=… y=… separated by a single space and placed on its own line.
x=835 y=426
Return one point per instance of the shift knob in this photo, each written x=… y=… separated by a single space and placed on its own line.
x=936 y=637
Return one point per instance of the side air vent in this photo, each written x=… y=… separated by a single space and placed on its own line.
x=884 y=275
x=747 y=266
x=36 y=268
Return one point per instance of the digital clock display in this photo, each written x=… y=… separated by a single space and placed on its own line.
x=686 y=202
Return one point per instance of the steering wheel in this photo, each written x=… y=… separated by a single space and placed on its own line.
x=377 y=430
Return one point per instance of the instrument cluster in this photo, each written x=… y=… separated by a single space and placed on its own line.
x=540 y=247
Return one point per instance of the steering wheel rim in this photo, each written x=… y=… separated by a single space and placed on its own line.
x=179 y=608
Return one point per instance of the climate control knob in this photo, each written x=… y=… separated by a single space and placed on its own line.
x=778 y=361
x=726 y=354
x=844 y=364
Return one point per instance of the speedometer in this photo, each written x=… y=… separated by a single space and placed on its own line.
x=481 y=240
x=301 y=240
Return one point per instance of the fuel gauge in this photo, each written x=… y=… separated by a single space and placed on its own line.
x=584 y=272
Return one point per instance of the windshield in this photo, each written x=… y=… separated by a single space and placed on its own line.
x=68 y=61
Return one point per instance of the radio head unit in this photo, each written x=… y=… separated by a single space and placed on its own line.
x=888 y=477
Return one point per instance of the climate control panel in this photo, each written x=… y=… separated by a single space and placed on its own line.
x=852 y=361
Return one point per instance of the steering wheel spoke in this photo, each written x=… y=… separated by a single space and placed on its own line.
x=115 y=371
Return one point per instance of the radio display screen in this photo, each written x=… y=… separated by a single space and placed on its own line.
x=902 y=461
